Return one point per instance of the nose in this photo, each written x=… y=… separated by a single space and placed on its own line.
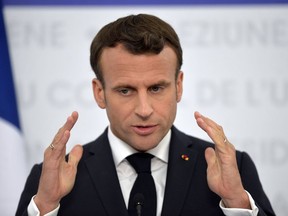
x=144 y=108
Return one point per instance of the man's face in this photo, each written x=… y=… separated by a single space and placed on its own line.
x=140 y=94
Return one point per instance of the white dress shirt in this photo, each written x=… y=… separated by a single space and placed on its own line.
x=126 y=173
x=127 y=176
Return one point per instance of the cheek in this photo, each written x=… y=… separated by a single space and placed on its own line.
x=167 y=109
x=118 y=112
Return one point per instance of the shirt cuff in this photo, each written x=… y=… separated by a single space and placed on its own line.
x=239 y=211
x=34 y=211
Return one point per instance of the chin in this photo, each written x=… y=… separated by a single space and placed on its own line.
x=144 y=148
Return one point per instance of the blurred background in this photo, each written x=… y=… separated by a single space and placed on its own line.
x=235 y=71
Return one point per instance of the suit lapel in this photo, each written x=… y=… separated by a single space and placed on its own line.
x=104 y=176
x=179 y=174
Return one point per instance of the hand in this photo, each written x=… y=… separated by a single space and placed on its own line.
x=58 y=176
x=222 y=173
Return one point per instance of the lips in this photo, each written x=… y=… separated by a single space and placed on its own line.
x=144 y=130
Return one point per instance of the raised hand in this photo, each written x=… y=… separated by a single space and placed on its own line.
x=222 y=173
x=58 y=175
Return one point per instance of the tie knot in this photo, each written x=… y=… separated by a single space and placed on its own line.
x=141 y=162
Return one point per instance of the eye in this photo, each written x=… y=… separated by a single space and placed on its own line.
x=124 y=91
x=156 y=89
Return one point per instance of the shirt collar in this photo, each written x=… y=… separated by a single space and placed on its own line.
x=121 y=150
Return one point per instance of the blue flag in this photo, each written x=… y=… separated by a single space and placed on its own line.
x=12 y=154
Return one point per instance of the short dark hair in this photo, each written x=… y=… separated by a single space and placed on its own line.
x=139 y=34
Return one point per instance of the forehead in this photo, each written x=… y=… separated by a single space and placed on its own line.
x=117 y=63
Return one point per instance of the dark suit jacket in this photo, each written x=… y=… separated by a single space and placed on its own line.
x=97 y=190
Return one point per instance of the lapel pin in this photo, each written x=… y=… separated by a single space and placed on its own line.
x=185 y=157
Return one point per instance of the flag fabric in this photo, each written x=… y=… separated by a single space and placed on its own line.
x=12 y=149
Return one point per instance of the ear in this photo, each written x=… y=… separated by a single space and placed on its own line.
x=179 y=86
x=98 y=91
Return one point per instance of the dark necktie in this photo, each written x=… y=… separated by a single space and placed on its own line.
x=142 y=201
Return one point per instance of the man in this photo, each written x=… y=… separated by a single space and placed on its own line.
x=137 y=61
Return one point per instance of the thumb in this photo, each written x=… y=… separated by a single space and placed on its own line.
x=210 y=156
x=75 y=155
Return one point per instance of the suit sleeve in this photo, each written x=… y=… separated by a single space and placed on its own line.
x=252 y=184
x=29 y=191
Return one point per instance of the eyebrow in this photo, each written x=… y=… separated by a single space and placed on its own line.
x=162 y=83
x=159 y=83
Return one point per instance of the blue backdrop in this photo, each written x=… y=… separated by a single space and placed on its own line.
x=140 y=2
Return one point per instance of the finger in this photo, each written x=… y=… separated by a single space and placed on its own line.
x=213 y=130
x=209 y=122
x=201 y=123
x=70 y=122
x=205 y=125
x=59 y=149
x=75 y=155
